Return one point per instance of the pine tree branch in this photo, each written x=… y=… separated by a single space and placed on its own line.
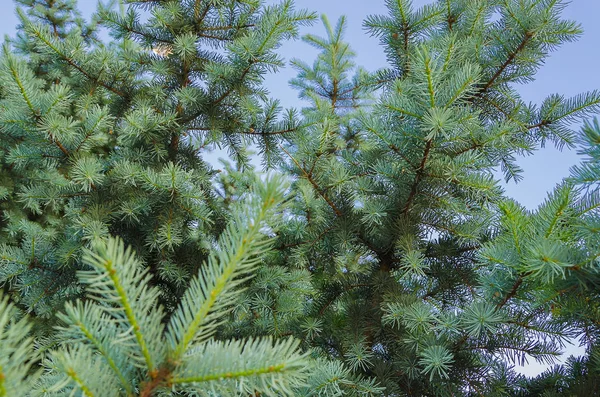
x=210 y=294
x=71 y=62
x=418 y=177
x=503 y=111
x=264 y=133
x=85 y=390
x=587 y=105
x=505 y=347
x=509 y=60
x=246 y=70
x=541 y=124
x=261 y=364
x=114 y=278
x=111 y=362
x=34 y=111
x=392 y=146
x=230 y=375
x=140 y=33
x=468 y=149
x=365 y=84
x=60 y=146
x=214 y=37
x=334 y=94
x=158 y=378
x=15 y=74
x=315 y=185
x=200 y=17
x=406 y=38
x=88 y=134
x=231 y=89
x=430 y=88
x=223 y=96
x=175 y=135
x=513 y=291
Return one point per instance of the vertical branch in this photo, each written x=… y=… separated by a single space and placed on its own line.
x=314 y=184
x=418 y=178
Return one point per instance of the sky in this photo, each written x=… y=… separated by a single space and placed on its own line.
x=571 y=70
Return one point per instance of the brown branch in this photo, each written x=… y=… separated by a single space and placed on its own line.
x=279 y=132
x=223 y=96
x=159 y=378
x=418 y=177
x=397 y=150
x=94 y=79
x=60 y=146
x=90 y=77
x=542 y=123
x=334 y=95
x=366 y=84
x=230 y=90
x=386 y=260
x=392 y=146
x=468 y=148
x=34 y=265
x=314 y=183
x=509 y=60
x=200 y=18
x=142 y=34
x=513 y=291
x=498 y=108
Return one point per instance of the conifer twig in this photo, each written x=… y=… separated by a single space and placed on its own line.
x=314 y=183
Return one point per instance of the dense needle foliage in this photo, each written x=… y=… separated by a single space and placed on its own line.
x=380 y=257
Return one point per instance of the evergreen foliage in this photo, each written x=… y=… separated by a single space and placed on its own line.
x=106 y=139
x=117 y=343
x=384 y=257
x=425 y=276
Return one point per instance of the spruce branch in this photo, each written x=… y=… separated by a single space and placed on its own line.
x=86 y=322
x=38 y=32
x=17 y=356
x=314 y=184
x=117 y=277
x=259 y=364
x=418 y=177
x=211 y=293
x=509 y=60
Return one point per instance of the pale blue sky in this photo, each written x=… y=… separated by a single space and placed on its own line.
x=571 y=70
